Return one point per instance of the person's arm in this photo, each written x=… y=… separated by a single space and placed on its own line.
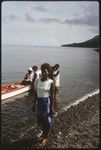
x=56 y=73
x=35 y=76
x=34 y=87
x=25 y=76
x=52 y=96
x=34 y=94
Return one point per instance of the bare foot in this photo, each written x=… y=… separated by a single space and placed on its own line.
x=40 y=137
x=43 y=143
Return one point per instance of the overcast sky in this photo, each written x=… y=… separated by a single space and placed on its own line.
x=49 y=23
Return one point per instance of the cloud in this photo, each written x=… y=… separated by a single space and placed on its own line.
x=39 y=8
x=29 y=18
x=86 y=14
x=13 y=17
x=41 y=23
x=89 y=20
x=10 y=18
x=92 y=20
x=49 y=20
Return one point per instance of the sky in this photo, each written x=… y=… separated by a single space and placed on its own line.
x=49 y=23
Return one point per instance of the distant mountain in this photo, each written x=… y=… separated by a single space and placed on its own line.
x=94 y=42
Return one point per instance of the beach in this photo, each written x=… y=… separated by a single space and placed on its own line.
x=76 y=127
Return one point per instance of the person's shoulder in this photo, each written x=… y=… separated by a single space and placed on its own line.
x=39 y=71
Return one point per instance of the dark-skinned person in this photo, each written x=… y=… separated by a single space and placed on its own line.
x=43 y=90
x=51 y=72
x=28 y=77
x=56 y=79
x=36 y=75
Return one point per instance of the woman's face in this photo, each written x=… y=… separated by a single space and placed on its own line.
x=45 y=73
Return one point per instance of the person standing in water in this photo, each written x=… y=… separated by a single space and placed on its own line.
x=45 y=103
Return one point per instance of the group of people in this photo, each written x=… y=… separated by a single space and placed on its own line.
x=31 y=75
x=45 y=85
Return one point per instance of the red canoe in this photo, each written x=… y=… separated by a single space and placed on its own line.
x=13 y=89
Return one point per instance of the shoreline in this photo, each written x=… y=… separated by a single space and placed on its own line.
x=77 y=127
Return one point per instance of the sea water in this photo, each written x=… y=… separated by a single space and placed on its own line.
x=79 y=67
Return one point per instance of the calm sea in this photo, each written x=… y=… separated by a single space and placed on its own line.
x=79 y=67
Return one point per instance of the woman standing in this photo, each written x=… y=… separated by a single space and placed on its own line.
x=45 y=102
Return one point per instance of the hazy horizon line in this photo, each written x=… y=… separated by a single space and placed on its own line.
x=31 y=45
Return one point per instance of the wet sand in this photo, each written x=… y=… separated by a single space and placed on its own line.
x=77 y=127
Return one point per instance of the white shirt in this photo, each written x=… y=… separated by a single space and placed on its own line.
x=29 y=77
x=43 y=88
x=38 y=72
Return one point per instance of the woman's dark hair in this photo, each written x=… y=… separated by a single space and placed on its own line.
x=46 y=66
x=56 y=65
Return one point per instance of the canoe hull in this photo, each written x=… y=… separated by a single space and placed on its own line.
x=15 y=92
